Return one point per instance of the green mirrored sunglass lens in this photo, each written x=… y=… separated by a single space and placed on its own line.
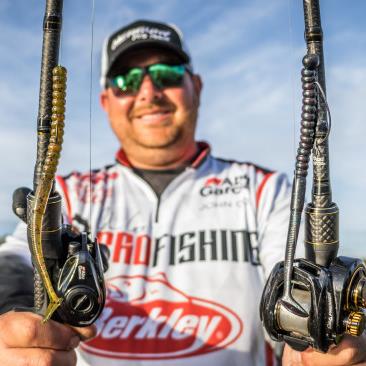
x=131 y=81
x=166 y=75
x=119 y=81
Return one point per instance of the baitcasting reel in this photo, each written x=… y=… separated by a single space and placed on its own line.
x=314 y=301
x=332 y=302
x=75 y=264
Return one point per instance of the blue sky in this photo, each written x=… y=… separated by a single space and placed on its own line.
x=249 y=54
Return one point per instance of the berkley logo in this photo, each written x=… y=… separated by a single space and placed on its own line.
x=217 y=186
x=146 y=318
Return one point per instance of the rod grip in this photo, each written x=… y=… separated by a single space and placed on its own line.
x=321 y=233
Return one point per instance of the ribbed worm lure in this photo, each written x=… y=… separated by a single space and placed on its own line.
x=45 y=184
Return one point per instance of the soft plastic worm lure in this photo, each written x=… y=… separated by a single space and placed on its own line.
x=45 y=184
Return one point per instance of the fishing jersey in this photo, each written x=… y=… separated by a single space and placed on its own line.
x=186 y=268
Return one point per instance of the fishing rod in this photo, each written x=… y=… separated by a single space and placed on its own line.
x=68 y=282
x=316 y=300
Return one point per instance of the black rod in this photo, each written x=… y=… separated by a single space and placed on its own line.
x=321 y=215
x=52 y=23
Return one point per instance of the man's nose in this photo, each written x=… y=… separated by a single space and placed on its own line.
x=148 y=92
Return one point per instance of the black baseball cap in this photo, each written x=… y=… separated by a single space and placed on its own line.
x=142 y=34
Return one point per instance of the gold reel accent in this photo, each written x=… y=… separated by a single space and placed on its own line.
x=355 y=323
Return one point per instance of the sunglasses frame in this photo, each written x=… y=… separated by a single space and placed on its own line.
x=111 y=81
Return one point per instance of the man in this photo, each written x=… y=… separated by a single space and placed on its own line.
x=191 y=236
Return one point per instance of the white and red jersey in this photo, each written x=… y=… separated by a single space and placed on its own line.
x=186 y=269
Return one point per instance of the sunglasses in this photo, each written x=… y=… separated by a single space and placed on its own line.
x=162 y=76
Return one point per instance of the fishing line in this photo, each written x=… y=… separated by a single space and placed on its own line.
x=90 y=114
x=60 y=47
x=292 y=76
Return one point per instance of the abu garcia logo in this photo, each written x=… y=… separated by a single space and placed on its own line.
x=221 y=186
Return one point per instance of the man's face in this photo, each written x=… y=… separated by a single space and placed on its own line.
x=154 y=119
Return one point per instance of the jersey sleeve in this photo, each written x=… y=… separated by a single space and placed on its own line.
x=16 y=244
x=16 y=271
x=273 y=211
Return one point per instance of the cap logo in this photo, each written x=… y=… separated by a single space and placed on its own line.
x=140 y=33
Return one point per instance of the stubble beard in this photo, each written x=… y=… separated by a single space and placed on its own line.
x=168 y=150
x=160 y=143
x=175 y=136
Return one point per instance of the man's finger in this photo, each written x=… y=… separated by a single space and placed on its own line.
x=291 y=357
x=86 y=333
x=25 y=330
x=36 y=357
x=351 y=350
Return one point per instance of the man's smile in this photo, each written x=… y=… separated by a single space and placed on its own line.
x=154 y=116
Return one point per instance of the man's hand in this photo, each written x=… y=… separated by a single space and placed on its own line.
x=351 y=351
x=24 y=340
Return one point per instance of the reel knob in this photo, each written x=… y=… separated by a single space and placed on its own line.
x=355 y=324
x=82 y=300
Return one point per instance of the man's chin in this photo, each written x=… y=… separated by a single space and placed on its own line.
x=158 y=142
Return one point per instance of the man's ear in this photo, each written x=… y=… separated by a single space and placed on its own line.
x=197 y=85
x=104 y=100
